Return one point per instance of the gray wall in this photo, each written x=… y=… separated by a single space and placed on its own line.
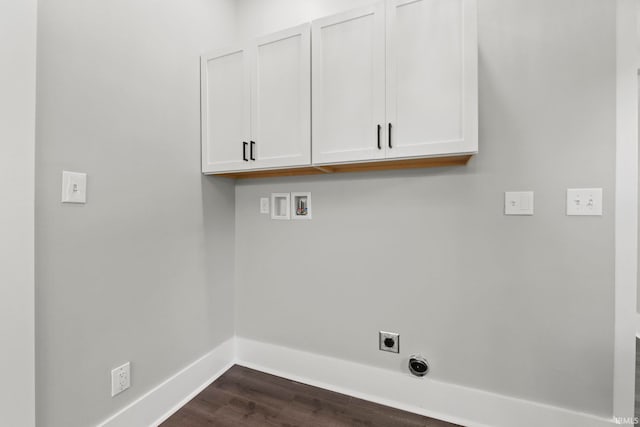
x=521 y=306
x=17 y=145
x=144 y=271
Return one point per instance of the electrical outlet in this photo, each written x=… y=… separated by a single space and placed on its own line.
x=389 y=341
x=120 y=379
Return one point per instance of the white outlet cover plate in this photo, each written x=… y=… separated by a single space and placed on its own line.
x=584 y=201
x=120 y=379
x=264 y=205
x=382 y=335
x=74 y=187
x=518 y=203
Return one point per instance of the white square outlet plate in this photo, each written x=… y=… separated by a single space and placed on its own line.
x=389 y=341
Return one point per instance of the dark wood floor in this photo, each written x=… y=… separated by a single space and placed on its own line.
x=244 y=397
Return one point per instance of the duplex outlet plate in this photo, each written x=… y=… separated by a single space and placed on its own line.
x=120 y=379
x=389 y=341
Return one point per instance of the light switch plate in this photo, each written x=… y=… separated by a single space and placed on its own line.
x=518 y=203
x=264 y=205
x=584 y=201
x=74 y=187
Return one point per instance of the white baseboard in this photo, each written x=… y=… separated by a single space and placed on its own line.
x=161 y=402
x=448 y=402
x=638 y=325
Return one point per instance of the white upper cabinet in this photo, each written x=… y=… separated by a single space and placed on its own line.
x=349 y=86
x=256 y=103
x=408 y=66
x=281 y=99
x=396 y=80
x=225 y=110
x=431 y=77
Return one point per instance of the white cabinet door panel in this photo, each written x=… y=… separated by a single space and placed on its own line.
x=348 y=85
x=225 y=110
x=281 y=99
x=431 y=77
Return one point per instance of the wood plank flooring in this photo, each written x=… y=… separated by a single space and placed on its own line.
x=245 y=397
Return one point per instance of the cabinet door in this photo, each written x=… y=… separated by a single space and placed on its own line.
x=225 y=111
x=348 y=86
x=281 y=99
x=431 y=77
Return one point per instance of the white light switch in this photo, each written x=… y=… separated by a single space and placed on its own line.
x=264 y=205
x=584 y=201
x=74 y=187
x=518 y=203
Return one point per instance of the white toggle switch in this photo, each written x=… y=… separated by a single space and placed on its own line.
x=518 y=203
x=584 y=201
x=264 y=205
x=74 y=187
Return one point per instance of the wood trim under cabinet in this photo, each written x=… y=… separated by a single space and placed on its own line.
x=428 y=162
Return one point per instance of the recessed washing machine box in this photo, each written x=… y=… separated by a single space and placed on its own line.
x=280 y=204
x=301 y=205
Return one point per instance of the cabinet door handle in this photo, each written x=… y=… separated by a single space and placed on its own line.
x=390 y=136
x=253 y=143
x=244 y=152
x=379 y=145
